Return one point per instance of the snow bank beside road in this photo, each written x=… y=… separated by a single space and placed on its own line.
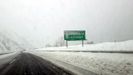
x=100 y=63
x=7 y=57
x=107 y=46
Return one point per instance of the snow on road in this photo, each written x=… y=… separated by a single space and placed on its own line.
x=66 y=65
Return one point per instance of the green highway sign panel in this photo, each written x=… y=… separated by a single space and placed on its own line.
x=74 y=35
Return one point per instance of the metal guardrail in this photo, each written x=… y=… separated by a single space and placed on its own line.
x=131 y=52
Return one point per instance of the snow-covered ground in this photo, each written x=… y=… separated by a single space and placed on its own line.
x=100 y=63
x=107 y=46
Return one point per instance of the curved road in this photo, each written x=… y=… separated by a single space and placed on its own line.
x=29 y=64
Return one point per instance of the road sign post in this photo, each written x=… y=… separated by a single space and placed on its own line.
x=66 y=43
x=82 y=43
x=74 y=35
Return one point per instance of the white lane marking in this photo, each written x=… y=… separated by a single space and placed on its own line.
x=12 y=61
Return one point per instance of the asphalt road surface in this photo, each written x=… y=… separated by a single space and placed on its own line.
x=29 y=64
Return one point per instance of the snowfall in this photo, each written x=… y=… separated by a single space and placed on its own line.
x=88 y=61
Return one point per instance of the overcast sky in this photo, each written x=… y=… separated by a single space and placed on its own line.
x=43 y=21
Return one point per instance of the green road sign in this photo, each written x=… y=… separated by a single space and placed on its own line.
x=73 y=35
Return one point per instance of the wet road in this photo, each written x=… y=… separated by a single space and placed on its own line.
x=29 y=64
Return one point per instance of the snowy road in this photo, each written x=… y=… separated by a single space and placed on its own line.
x=28 y=64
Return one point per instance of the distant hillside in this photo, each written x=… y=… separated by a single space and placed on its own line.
x=10 y=43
